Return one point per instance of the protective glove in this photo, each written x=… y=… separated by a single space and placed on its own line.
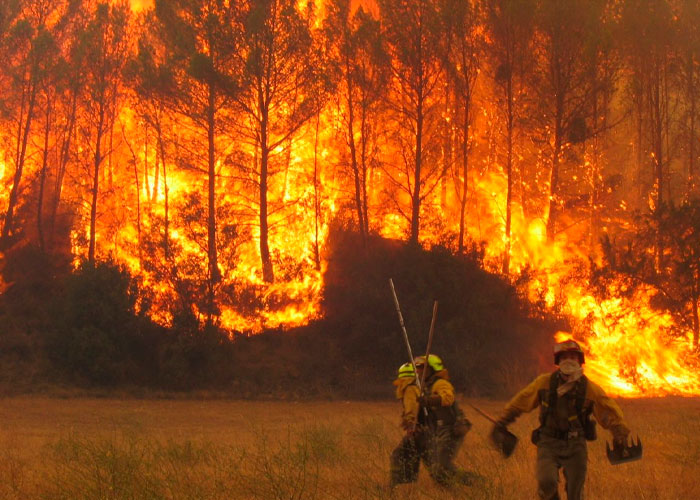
x=408 y=425
x=619 y=442
x=432 y=400
x=502 y=423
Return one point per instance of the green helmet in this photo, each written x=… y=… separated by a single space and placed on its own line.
x=406 y=371
x=434 y=362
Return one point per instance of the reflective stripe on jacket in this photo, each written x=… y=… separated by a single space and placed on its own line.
x=605 y=410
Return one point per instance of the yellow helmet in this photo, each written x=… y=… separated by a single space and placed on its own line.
x=434 y=362
x=406 y=371
x=568 y=346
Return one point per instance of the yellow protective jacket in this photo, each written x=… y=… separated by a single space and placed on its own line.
x=442 y=387
x=407 y=391
x=605 y=410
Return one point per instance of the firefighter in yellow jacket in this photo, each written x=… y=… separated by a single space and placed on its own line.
x=566 y=399
x=434 y=425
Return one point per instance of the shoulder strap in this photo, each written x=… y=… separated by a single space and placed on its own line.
x=581 y=398
x=553 y=382
x=551 y=401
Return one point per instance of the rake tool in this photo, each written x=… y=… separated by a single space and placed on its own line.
x=622 y=453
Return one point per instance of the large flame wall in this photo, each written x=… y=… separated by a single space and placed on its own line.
x=629 y=346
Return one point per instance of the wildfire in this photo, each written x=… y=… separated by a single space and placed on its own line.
x=139 y=5
x=153 y=196
x=629 y=346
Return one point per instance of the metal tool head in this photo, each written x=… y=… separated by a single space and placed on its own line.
x=504 y=440
x=621 y=453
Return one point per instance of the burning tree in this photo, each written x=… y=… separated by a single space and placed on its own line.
x=647 y=29
x=104 y=46
x=25 y=41
x=281 y=74
x=207 y=163
x=415 y=37
x=358 y=56
x=510 y=26
x=689 y=68
x=201 y=41
x=463 y=58
x=566 y=51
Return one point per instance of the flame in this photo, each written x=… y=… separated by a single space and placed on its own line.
x=6 y=187
x=631 y=348
x=139 y=5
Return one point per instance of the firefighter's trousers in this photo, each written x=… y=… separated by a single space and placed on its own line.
x=437 y=449
x=554 y=454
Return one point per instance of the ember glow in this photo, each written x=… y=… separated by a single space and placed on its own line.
x=171 y=182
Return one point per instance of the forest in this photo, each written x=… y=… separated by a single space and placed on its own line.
x=213 y=194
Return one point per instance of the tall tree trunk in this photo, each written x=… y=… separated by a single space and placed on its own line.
x=509 y=173
x=692 y=99
x=214 y=272
x=138 y=196
x=146 y=171
x=317 y=203
x=554 y=174
x=96 y=183
x=268 y=271
x=166 y=233
x=364 y=167
x=42 y=176
x=641 y=166
x=156 y=173
x=598 y=149
x=446 y=151
x=465 y=180
x=415 y=199
x=657 y=126
x=20 y=155
x=353 y=154
x=68 y=132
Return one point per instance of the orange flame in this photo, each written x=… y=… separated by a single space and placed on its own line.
x=629 y=346
x=630 y=349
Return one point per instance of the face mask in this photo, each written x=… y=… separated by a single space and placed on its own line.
x=569 y=366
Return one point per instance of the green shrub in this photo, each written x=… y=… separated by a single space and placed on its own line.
x=98 y=335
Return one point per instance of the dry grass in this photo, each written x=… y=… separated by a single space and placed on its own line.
x=169 y=449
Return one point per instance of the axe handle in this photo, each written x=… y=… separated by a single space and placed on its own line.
x=484 y=414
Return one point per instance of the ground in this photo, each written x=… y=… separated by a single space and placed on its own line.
x=223 y=449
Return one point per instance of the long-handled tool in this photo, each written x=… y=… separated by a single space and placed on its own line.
x=430 y=343
x=405 y=334
x=623 y=453
x=408 y=344
x=502 y=438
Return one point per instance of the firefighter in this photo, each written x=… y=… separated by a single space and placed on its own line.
x=566 y=399
x=434 y=425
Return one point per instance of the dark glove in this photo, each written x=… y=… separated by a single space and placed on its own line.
x=427 y=401
x=619 y=442
x=408 y=426
x=503 y=423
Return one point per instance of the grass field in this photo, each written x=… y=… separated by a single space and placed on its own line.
x=213 y=449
